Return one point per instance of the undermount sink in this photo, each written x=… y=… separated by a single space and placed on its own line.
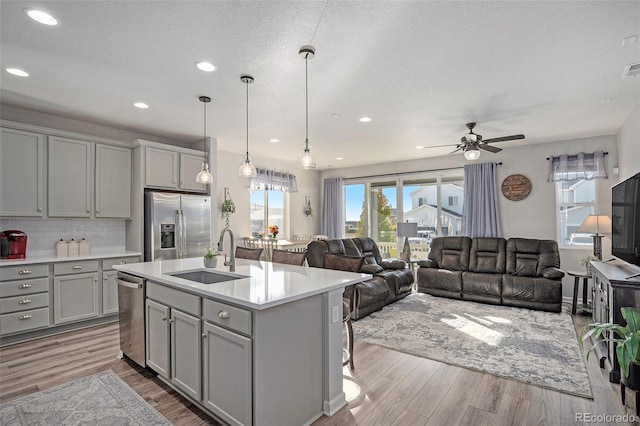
x=207 y=277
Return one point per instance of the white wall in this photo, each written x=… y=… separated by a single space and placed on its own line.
x=629 y=145
x=535 y=216
x=227 y=164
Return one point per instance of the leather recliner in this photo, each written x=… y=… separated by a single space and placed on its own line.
x=391 y=281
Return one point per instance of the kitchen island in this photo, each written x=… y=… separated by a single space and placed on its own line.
x=263 y=347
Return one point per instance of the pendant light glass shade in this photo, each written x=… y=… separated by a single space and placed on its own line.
x=306 y=160
x=205 y=176
x=247 y=170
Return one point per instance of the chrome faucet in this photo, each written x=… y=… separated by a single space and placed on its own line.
x=231 y=263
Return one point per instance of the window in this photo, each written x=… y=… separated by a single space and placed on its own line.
x=575 y=200
x=453 y=201
x=266 y=209
x=355 y=212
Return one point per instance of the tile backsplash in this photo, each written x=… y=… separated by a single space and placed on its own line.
x=42 y=235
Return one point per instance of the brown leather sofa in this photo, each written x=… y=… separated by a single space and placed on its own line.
x=391 y=281
x=519 y=272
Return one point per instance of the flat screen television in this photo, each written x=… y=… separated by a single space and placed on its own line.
x=625 y=219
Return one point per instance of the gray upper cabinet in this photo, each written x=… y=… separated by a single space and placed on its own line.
x=161 y=168
x=21 y=173
x=113 y=182
x=70 y=177
x=190 y=166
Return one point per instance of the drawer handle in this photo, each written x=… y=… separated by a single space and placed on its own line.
x=76 y=267
x=122 y=262
x=223 y=314
x=24 y=285
x=164 y=319
x=24 y=317
x=24 y=272
x=24 y=301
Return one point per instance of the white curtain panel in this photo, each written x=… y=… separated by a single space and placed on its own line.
x=579 y=166
x=333 y=208
x=274 y=181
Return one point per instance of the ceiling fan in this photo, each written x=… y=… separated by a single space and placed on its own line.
x=472 y=143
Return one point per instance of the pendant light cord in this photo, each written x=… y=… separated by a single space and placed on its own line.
x=206 y=151
x=247 y=154
x=306 y=96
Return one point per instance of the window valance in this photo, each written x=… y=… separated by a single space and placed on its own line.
x=270 y=180
x=579 y=166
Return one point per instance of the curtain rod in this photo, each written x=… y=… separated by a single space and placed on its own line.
x=411 y=173
x=576 y=155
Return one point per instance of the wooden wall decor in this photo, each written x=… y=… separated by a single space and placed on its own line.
x=516 y=187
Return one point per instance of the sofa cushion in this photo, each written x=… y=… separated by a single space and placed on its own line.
x=393 y=264
x=369 y=249
x=552 y=273
x=530 y=257
x=343 y=263
x=488 y=255
x=371 y=268
x=350 y=248
x=451 y=253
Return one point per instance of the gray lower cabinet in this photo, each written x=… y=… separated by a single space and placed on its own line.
x=109 y=293
x=227 y=388
x=75 y=297
x=174 y=346
x=24 y=298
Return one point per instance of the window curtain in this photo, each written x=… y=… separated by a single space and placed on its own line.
x=270 y=180
x=580 y=166
x=333 y=208
x=480 y=213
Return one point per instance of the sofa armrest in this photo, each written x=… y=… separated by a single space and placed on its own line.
x=393 y=264
x=552 y=273
x=429 y=263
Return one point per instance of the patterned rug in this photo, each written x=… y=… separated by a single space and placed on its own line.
x=100 y=399
x=539 y=348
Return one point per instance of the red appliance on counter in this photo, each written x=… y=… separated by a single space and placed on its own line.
x=17 y=244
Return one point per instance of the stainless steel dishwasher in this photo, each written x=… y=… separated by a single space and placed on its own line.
x=131 y=295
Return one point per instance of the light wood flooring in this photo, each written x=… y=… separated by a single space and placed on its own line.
x=386 y=388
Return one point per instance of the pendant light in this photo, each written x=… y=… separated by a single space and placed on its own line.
x=307 y=161
x=247 y=169
x=204 y=176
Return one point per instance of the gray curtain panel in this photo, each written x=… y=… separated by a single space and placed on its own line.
x=333 y=208
x=480 y=213
x=579 y=166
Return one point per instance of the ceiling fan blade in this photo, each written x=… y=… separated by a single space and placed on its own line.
x=440 y=146
x=489 y=148
x=460 y=147
x=505 y=138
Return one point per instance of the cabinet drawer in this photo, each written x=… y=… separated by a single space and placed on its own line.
x=21 y=303
x=75 y=267
x=107 y=264
x=26 y=286
x=189 y=303
x=236 y=319
x=23 y=321
x=23 y=271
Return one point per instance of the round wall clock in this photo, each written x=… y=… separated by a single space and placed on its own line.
x=516 y=187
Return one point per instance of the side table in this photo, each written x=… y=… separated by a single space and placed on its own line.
x=584 y=307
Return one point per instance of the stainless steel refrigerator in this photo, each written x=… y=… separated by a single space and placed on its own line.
x=176 y=226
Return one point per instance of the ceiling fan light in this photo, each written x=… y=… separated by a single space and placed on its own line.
x=472 y=153
x=204 y=176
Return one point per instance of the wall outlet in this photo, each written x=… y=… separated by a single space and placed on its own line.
x=336 y=314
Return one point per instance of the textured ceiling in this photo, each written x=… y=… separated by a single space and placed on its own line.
x=421 y=70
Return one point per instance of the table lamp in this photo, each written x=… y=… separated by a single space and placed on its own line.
x=595 y=224
x=406 y=230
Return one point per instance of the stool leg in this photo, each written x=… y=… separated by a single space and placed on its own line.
x=576 y=283
x=585 y=284
x=637 y=403
x=622 y=392
x=349 y=360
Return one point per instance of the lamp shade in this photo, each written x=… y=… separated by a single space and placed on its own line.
x=596 y=224
x=406 y=229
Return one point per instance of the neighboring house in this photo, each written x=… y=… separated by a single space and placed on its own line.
x=424 y=209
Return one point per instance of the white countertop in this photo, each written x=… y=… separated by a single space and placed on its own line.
x=53 y=258
x=267 y=284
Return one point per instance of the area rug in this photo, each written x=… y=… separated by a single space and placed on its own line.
x=100 y=399
x=539 y=348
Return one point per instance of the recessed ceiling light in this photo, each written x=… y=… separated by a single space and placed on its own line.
x=141 y=105
x=338 y=158
x=42 y=17
x=18 y=72
x=206 y=66
x=606 y=100
x=335 y=115
x=274 y=140
x=419 y=147
x=632 y=39
x=365 y=119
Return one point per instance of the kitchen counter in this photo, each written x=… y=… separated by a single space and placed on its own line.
x=53 y=258
x=266 y=284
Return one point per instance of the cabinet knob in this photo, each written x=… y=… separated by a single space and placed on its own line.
x=223 y=314
x=24 y=272
x=76 y=267
x=24 y=285
x=24 y=317
x=24 y=301
x=204 y=336
x=164 y=319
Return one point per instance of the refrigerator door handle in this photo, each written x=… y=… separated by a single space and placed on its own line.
x=179 y=232
x=184 y=234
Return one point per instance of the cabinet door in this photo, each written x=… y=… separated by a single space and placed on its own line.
x=113 y=182
x=109 y=293
x=161 y=168
x=157 y=339
x=21 y=173
x=190 y=166
x=186 y=344
x=227 y=372
x=75 y=297
x=70 y=178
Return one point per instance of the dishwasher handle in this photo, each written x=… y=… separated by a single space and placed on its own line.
x=129 y=281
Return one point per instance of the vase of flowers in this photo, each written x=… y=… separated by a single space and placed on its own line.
x=586 y=262
x=273 y=231
x=210 y=258
x=228 y=207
